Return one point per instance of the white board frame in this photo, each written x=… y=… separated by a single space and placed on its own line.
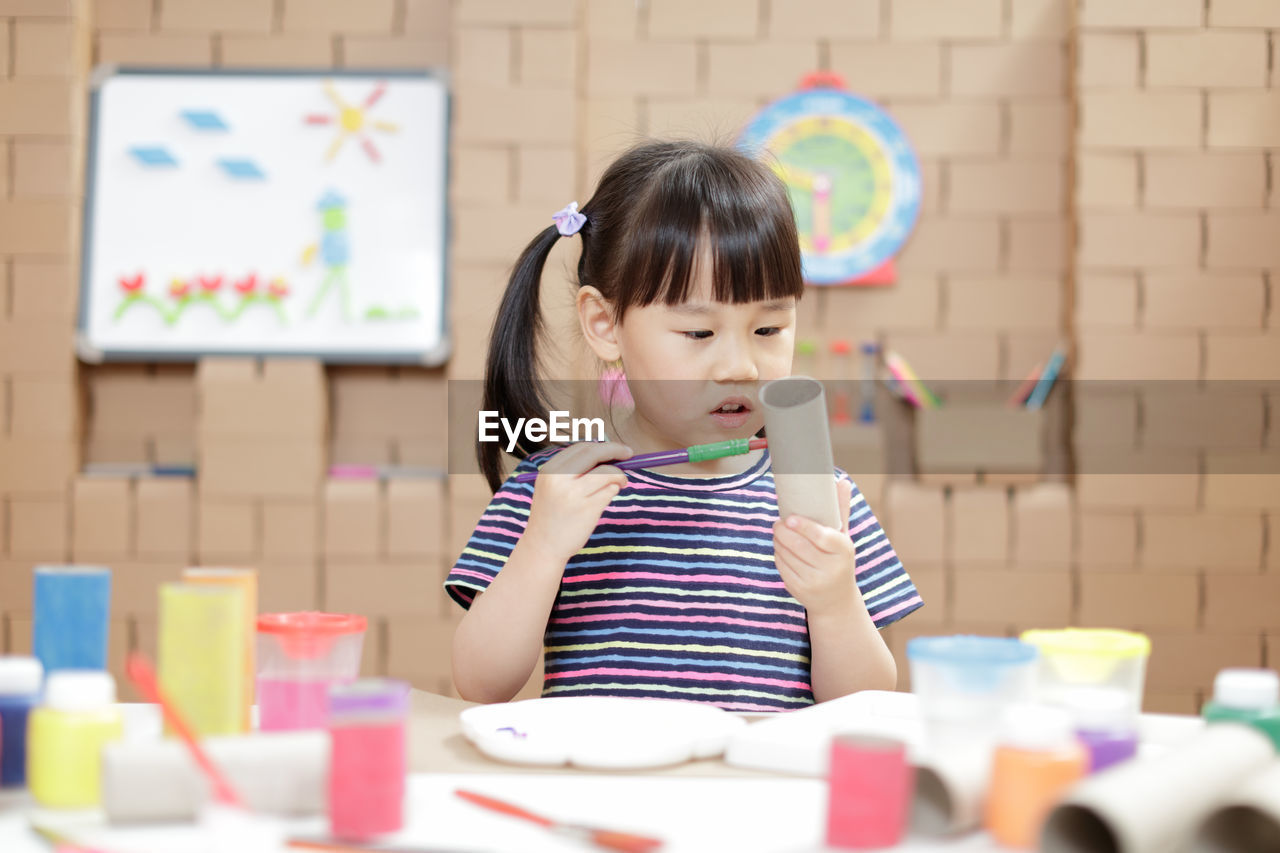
x=92 y=349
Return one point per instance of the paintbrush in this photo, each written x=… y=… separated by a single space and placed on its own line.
x=696 y=453
x=608 y=838
x=139 y=671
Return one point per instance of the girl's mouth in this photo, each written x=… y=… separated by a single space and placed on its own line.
x=732 y=413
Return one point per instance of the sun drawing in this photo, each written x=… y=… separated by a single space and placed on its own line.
x=353 y=121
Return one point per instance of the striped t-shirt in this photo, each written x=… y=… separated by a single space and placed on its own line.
x=676 y=594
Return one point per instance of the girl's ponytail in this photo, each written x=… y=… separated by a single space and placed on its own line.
x=511 y=383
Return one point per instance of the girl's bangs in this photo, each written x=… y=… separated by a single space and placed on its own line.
x=738 y=208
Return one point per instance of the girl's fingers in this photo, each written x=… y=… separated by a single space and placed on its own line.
x=584 y=456
x=793 y=548
x=818 y=536
x=844 y=490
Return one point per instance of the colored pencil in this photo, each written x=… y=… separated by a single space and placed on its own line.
x=1020 y=396
x=1041 y=392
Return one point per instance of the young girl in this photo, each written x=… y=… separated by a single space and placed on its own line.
x=678 y=582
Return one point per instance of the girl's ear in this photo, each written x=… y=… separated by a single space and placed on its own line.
x=595 y=315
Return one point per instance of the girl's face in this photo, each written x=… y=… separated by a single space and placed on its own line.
x=694 y=369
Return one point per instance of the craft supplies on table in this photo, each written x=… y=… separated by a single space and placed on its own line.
x=65 y=735
x=869 y=793
x=277 y=773
x=369 y=757
x=300 y=656
x=21 y=678
x=71 y=609
x=1075 y=658
x=1036 y=760
x=246 y=581
x=202 y=655
x=1250 y=696
x=599 y=732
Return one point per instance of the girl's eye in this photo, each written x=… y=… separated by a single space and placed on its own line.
x=700 y=335
x=769 y=331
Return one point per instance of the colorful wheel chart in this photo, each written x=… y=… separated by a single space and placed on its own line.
x=853 y=178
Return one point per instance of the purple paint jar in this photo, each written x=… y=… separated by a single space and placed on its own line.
x=1106 y=723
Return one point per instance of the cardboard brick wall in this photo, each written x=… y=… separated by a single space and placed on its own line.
x=1124 y=202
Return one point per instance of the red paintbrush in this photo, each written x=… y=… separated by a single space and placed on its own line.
x=611 y=839
x=139 y=670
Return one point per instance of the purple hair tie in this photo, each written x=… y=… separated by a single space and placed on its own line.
x=569 y=221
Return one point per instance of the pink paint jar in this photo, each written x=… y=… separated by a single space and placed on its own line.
x=301 y=656
x=369 y=758
x=870 y=784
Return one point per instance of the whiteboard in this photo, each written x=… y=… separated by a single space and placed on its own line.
x=265 y=213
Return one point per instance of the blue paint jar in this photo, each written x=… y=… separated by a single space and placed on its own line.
x=20 y=681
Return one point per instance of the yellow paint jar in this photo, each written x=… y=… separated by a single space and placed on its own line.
x=65 y=737
x=201 y=651
x=245 y=580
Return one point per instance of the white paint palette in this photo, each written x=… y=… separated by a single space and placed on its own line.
x=600 y=732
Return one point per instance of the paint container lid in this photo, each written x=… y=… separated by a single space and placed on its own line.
x=311 y=622
x=72 y=570
x=308 y=635
x=20 y=675
x=964 y=649
x=369 y=696
x=1025 y=725
x=79 y=690
x=1251 y=689
x=1099 y=709
x=1091 y=642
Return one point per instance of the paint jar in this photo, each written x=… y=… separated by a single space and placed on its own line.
x=201 y=655
x=368 y=759
x=963 y=682
x=71 y=610
x=20 y=681
x=1072 y=658
x=1104 y=724
x=1037 y=760
x=1249 y=696
x=245 y=580
x=65 y=736
x=868 y=792
x=300 y=656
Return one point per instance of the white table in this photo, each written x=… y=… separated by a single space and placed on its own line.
x=700 y=807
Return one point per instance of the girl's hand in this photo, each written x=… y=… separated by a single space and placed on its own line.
x=570 y=494
x=816 y=562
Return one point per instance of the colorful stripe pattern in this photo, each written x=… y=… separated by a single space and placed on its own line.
x=676 y=594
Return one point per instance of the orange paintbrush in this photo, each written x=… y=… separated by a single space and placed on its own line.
x=139 y=670
x=622 y=841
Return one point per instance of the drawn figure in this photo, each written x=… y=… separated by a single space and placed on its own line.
x=335 y=252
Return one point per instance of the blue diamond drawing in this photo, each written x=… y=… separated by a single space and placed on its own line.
x=244 y=170
x=204 y=120
x=153 y=156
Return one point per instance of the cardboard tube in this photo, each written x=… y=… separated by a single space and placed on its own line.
x=795 y=420
x=950 y=792
x=277 y=773
x=1154 y=806
x=1248 y=821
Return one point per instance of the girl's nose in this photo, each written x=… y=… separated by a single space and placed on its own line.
x=735 y=363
